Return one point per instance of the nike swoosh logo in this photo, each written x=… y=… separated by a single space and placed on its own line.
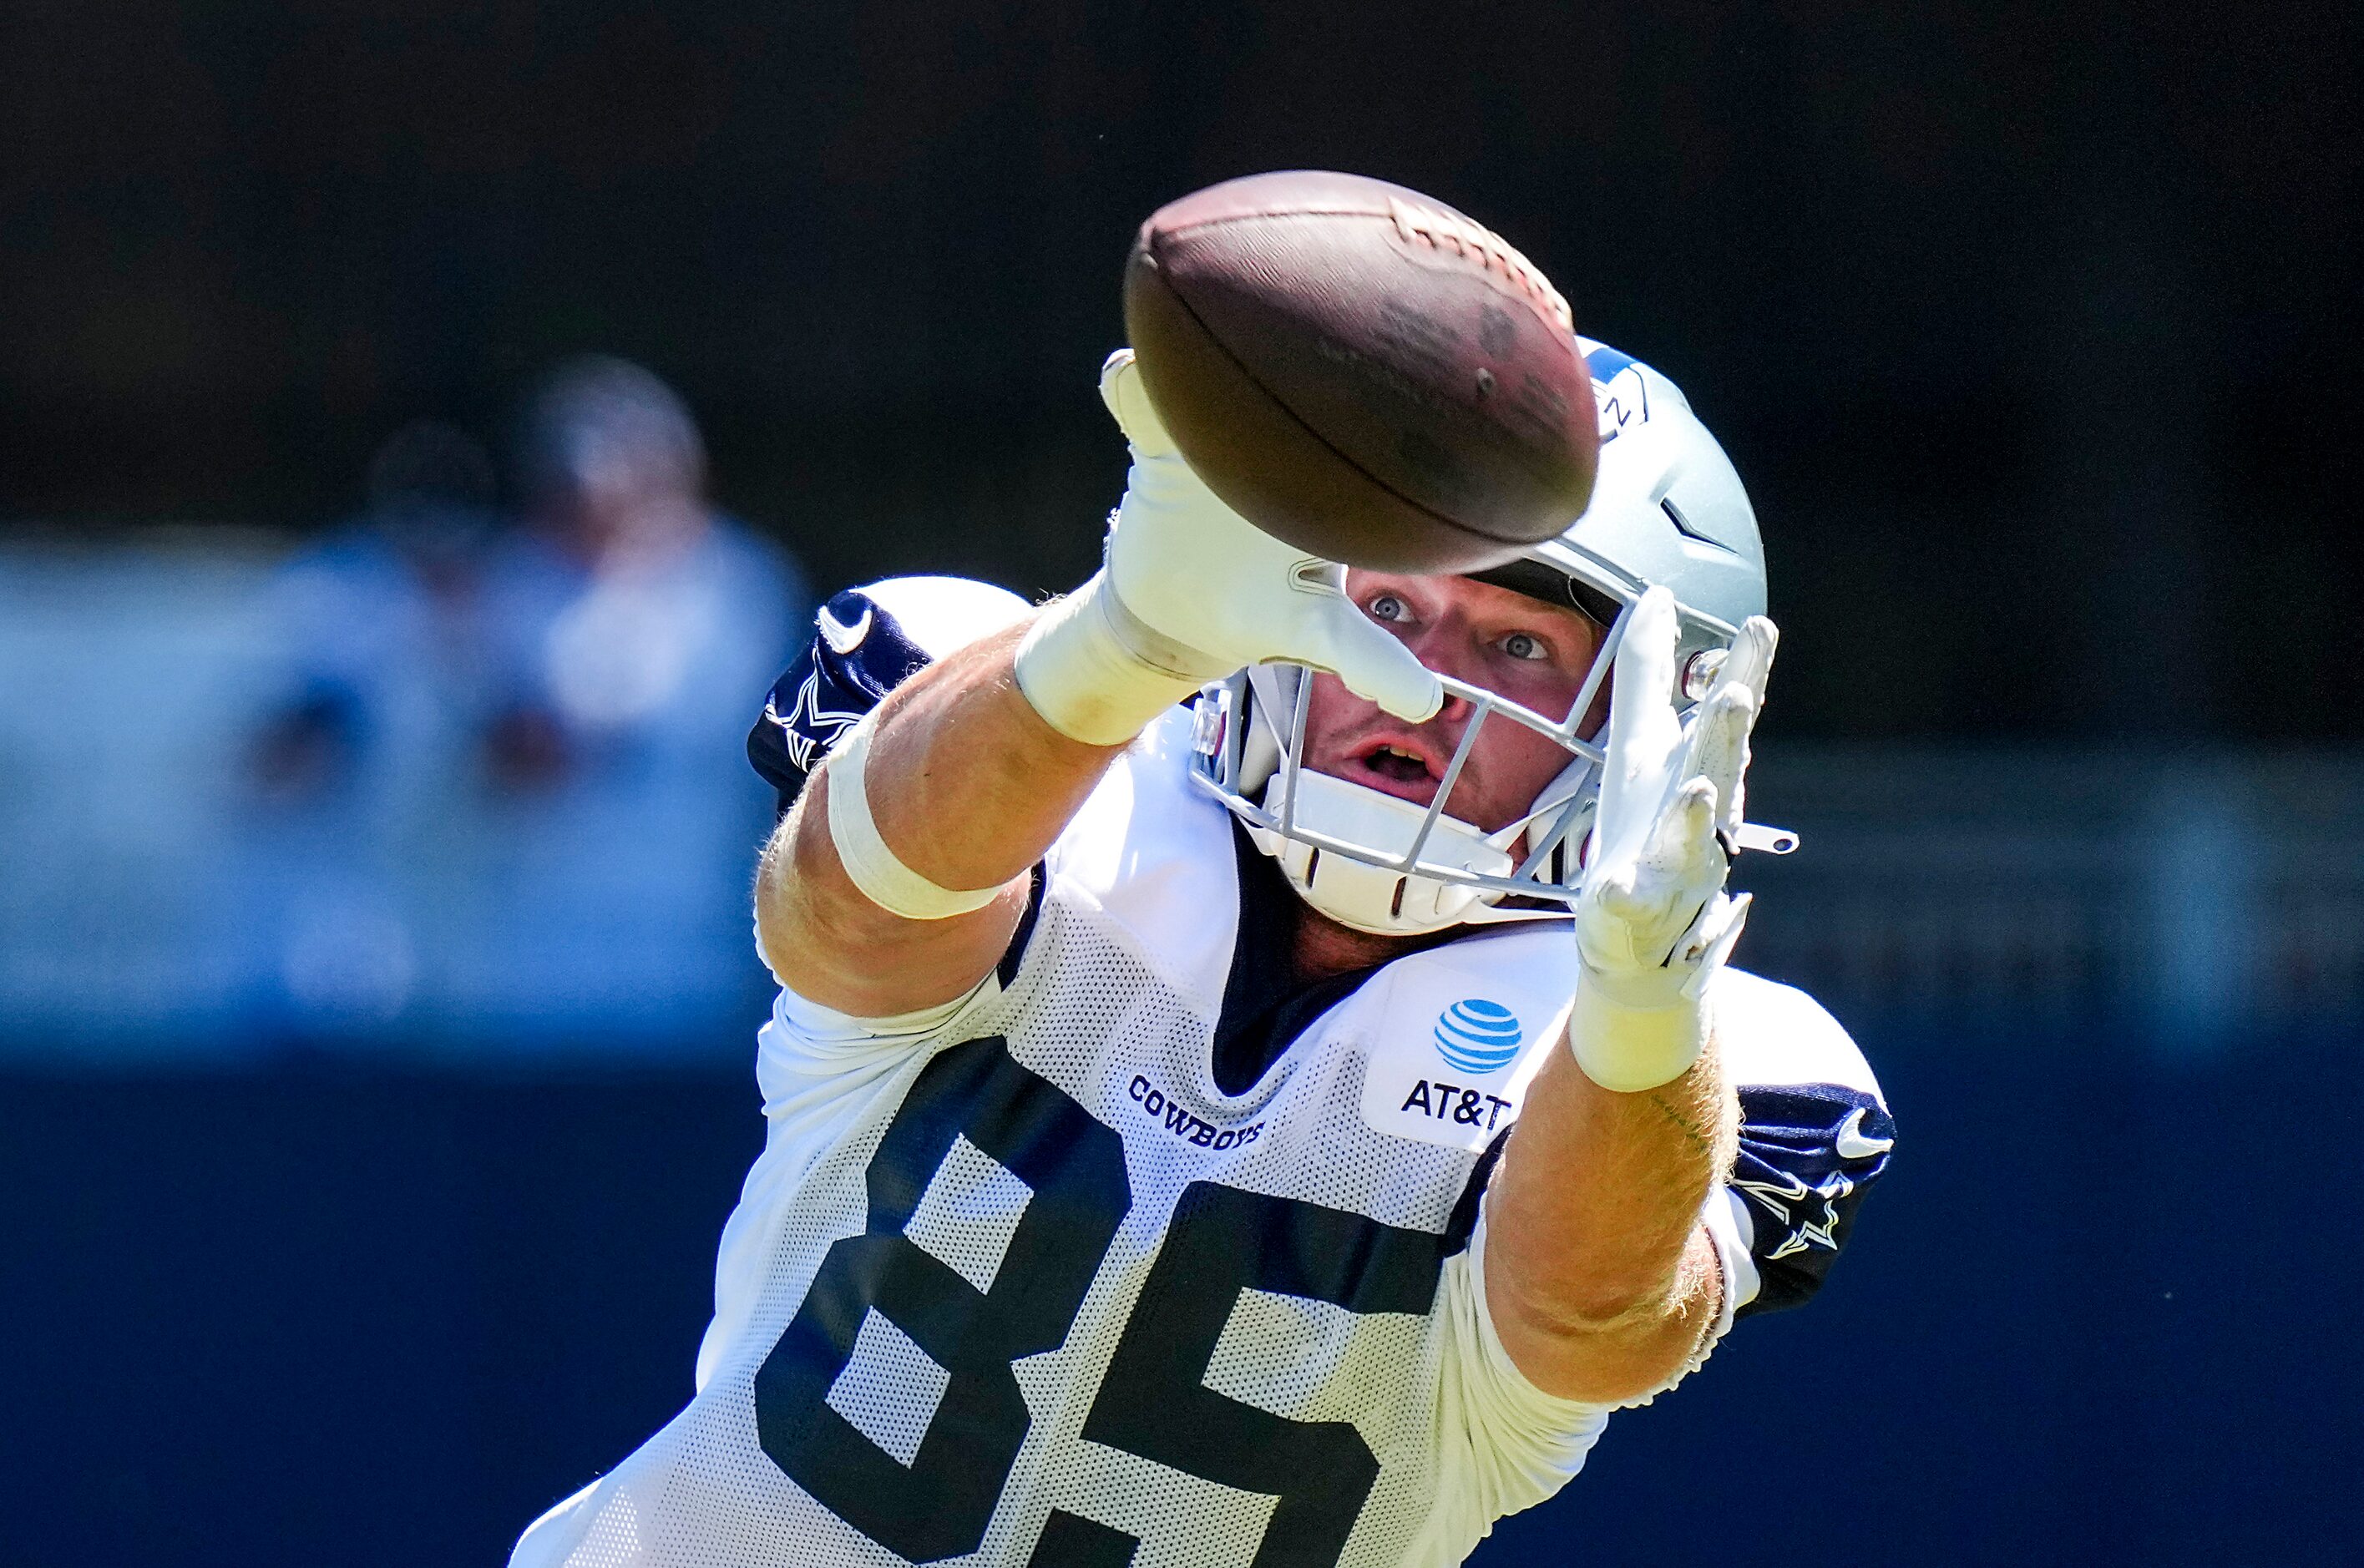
x=1853 y=1145
x=842 y=637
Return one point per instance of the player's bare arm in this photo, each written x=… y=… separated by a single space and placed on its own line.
x=967 y=786
x=1600 y=1278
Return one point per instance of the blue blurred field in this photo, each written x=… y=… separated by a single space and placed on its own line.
x=318 y=1314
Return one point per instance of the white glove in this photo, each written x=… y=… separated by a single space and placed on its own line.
x=1653 y=923
x=1190 y=592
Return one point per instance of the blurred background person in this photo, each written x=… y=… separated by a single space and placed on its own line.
x=382 y=674
x=631 y=620
x=383 y=619
x=466 y=705
x=636 y=614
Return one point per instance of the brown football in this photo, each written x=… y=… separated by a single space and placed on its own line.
x=1362 y=371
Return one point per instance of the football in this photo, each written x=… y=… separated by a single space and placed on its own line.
x=1362 y=371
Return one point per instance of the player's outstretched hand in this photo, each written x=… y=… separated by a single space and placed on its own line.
x=1653 y=922
x=1226 y=593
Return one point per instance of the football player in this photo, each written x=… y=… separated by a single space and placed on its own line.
x=1255 y=1078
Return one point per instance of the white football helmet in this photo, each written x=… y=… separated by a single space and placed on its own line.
x=1667 y=508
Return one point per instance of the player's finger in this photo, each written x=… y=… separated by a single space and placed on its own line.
x=1644 y=733
x=1720 y=746
x=1122 y=391
x=1682 y=849
x=1642 y=900
x=1747 y=665
x=1644 y=684
x=1373 y=663
x=1750 y=664
x=1712 y=941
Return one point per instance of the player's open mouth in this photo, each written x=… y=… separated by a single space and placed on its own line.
x=1397 y=770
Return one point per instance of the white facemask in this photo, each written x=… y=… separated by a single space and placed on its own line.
x=1369 y=859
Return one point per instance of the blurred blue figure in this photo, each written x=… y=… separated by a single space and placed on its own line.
x=635 y=613
x=387 y=670
x=499 y=800
x=637 y=623
x=382 y=622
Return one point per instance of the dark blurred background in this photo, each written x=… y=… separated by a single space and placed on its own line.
x=376 y=999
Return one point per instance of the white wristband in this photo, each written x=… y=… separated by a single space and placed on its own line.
x=876 y=869
x=1627 y=1050
x=1096 y=674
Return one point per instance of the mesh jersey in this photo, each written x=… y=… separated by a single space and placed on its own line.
x=1024 y=1286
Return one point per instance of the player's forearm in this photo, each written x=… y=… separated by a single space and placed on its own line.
x=1598 y=1276
x=967 y=788
x=1599 y=1192
x=967 y=783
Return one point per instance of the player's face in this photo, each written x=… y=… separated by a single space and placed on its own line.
x=1534 y=653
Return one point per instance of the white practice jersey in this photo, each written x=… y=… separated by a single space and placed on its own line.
x=1019 y=1283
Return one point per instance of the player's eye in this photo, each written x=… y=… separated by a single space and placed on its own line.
x=1525 y=645
x=1387 y=606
